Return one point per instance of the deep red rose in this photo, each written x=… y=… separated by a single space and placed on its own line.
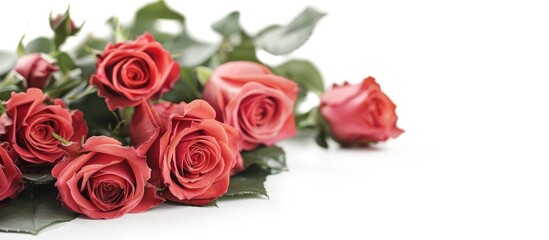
x=104 y=180
x=131 y=71
x=191 y=154
x=35 y=70
x=30 y=119
x=11 y=180
x=359 y=114
x=259 y=104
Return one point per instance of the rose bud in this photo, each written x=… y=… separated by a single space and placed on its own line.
x=259 y=104
x=190 y=153
x=104 y=180
x=359 y=114
x=55 y=24
x=132 y=71
x=35 y=70
x=11 y=180
x=33 y=118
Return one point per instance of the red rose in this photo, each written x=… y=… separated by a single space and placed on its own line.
x=131 y=71
x=32 y=120
x=103 y=179
x=359 y=114
x=191 y=154
x=257 y=103
x=35 y=70
x=11 y=182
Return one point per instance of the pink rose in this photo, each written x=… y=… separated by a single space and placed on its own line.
x=35 y=70
x=257 y=103
x=30 y=119
x=359 y=114
x=191 y=154
x=11 y=181
x=132 y=71
x=103 y=179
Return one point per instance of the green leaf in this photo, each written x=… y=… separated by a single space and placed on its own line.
x=20 y=47
x=146 y=17
x=98 y=116
x=91 y=46
x=245 y=51
x=38 y=178
x=307 y=120
x=79 y=92
x=303 y=73
x=236 y=45
x=189 y=52
x=194 y=53
x=65 y=62
x=228 y=26
x=250 y=183
x=35 y=209
x=320 y=139
x=62 y=86
x=271 y=159
x=279 y=40
x=39 y=45
x=323 y=132
x=186 y=89
x=203 y=74
x=8 y=84
x=87 y=65
x=7 y=61
x=119 y=33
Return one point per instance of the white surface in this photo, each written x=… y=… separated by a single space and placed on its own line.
x=470 y=81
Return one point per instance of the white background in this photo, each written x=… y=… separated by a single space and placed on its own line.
x=470 y=82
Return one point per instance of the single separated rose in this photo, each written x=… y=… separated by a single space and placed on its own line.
x=259 y=104
x=29 y=122
x=104 y=180
x=359 y=114
x=132 y=71
x=35 y=70
x=191 y=154
x=11 y=180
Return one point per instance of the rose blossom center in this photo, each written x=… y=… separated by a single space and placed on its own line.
x=40 y=132
x=259 y=116
x=134 y=73
x=196 y=156
x=109 y=192
x=263 y=113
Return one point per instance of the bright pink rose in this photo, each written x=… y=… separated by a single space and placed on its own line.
x=259 y=104
x=103 y=179
x=132 y=71
x=35 y=70
x=359 y=114
x=191 y=154
x=30 y=119
x=11 y=181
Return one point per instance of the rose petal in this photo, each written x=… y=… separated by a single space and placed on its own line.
x=150 y=199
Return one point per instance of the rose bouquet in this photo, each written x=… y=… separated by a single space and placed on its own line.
x=124 y=123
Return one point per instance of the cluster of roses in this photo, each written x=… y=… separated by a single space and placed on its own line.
x=181 y=152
